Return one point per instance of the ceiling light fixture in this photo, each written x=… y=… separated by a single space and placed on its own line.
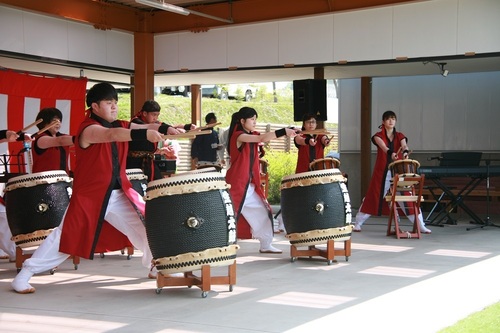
x=444 y=72
x=179 y=10
x=164 y=6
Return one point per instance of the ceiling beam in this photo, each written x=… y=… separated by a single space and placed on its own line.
x=106 y=15
x=102 y=15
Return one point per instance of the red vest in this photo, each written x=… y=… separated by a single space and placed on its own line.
x=93 y=177
x=53 y=158
x=244 y=162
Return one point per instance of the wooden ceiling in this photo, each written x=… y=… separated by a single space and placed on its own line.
x=134 y=17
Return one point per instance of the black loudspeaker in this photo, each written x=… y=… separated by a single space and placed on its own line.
x=309 y=96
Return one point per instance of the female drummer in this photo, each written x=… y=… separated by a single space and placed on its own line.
x=391 y=146
x=51 y=148
x=248 y=198
x=310 y=146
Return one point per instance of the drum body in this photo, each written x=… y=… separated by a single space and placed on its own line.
x=403 y=167
x=138 y=179
x=190 y=222
x=35 y=204
x=316 y=207
x=324 y=163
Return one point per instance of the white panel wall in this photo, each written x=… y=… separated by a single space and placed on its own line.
x=166 y=52
x=349 y=115
x=474 y=37
x=426 y=28
x=119 y=49
x=306 y=40
x=363 y=35
x=86 y=44
x=11 y=30
x=253 y=45
x=45 y=36
x=203 y=50
x=459 y=112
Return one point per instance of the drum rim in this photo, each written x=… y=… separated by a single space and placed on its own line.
x=37 y=178
x=316 y=160
x=307 y=174
x=407 y=160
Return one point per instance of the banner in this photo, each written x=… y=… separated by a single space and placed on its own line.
x=23 y=95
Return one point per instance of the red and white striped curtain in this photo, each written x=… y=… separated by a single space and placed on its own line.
x=23 y=95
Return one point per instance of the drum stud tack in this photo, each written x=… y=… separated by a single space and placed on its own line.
x=319 y=207
x=42 y=207
x=193 y=222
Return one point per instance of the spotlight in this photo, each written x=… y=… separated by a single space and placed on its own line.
x=444 y=72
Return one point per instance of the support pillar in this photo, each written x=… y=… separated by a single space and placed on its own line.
x=143 y=80
x=365 y=126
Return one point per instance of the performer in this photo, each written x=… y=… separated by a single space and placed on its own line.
x=310 y=147
x=101 y=189
x=51 y=148
x=244 y=176
x=391 y=146
x=141 y=154
x=6 y=243
x=204 y=149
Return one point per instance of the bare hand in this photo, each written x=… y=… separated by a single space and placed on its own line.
x=154 y=136
x=173 y=131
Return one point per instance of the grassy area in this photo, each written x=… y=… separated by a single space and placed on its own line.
x=176 y=109
x=485 y=321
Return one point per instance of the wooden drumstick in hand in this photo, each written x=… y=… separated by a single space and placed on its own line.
x=52 y=124
x=206 y=127
x=29 y=126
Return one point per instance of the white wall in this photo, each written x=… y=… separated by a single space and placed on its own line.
x=421 y=29
x=457 y=112
x=44 y=36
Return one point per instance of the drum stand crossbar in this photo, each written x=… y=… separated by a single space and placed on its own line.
x=204 y=281
x=329 y=253
x=407 y=189
x=22 y=255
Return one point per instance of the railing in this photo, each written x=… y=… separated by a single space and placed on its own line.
x=282 y=144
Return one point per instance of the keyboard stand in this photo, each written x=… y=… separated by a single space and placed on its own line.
x=486 y=222
x=438 y=200
x=457 y=200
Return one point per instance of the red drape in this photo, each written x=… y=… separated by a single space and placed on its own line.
x=22 y=95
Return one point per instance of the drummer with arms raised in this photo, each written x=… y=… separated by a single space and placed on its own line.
x=391 y=146
x=310 y=146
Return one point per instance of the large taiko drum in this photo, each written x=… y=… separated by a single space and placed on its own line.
x=190 y=222
x=315 y=207
x=404 y=167
x=138 y=179
x=35 y=204
x=324 y=163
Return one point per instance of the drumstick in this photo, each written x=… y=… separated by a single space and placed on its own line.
x=316 y=132
x=206 y=127
x=30 y=125
x=188 y=135
x=52 y=124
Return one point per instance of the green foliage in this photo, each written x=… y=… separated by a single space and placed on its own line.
x=177 y=109
x=280 y=164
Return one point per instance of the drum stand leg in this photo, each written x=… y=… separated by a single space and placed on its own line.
x=328 y=254
x=204 y=281
x=21 y=257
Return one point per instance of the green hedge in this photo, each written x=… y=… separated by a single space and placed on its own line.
x=280 y=164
